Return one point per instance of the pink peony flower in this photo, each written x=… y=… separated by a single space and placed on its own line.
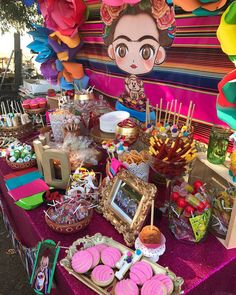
x=109 y=13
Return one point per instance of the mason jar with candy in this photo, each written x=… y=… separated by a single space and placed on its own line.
x=189 y=211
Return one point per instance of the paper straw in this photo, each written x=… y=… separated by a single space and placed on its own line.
x=189 y=110
x=171 y=105
x=160 y=110
x=156 y=113
x=166 y=112
x=177 y=120
x=191 y=117
x=175 y=110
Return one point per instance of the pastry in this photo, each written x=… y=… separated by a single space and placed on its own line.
x=153 y=287
x=166 y=281
x=102 y=275
x=150 y=237
x=110 y=256
x=140 y=272
x=82 y=261
x=100 y=247
x=126 y=287
x=96 y=255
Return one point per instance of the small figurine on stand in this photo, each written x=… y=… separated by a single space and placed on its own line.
x=232 y=169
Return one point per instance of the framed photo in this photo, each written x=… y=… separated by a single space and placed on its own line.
x=44 y=267
x=126 y=202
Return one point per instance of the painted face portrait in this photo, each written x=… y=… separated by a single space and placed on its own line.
x=135 y=37
x=137 y=49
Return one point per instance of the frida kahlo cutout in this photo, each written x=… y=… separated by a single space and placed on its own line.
x=136 y=37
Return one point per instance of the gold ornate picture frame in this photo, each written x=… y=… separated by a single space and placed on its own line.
x=126 y=202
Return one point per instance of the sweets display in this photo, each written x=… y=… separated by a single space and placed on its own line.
x=189 y=211
x=127 y=131
x=168 y=123
x=34 y=104
x=20 y=153
x=170 y=158
x=12 y=116
x=130 y=275
x=222 y=207
x=72 y=124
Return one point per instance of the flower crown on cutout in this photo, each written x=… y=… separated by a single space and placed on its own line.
x=161 y=10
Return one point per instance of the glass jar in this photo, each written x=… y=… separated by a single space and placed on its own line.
x=189 y=211
x=218 y=144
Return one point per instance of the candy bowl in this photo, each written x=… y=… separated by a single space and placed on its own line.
x=168 y=169
x=70 y=217
x=128 y=131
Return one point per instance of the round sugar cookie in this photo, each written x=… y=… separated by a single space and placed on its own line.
x=100 y=247
x=126 y=287
x=96 y=255
x=82 y=261
x=110 y=256
x=102 y=275
x=166 y=281
x=140 y=272
x=153 y=287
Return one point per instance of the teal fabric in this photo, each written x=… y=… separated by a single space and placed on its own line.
x=23 y=179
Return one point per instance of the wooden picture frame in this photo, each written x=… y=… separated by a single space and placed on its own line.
x=126 y=202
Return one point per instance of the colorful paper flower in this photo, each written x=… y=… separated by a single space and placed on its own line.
x=64 y=16
x=163 y=13
x=109 y=13
x=40 y=44
x=65 y=51
x=49 y=71
x=120 y=2
x=201 y=7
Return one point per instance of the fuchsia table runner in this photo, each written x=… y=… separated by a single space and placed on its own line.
x=207 y=268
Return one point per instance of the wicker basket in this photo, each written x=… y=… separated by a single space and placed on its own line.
x=17 y=131
x=21 y=166
x=68 y=228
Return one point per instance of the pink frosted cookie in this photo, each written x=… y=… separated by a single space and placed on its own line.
x=110 y=256
x=100 y=247
x=140 y=272
x=82 y=261
x=153 y=287
x=126 y=287
x=166 y=281
x=102 y=275
x=96 y=255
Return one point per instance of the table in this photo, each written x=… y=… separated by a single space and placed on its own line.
x=207 y=268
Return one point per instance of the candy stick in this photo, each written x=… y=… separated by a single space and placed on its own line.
x=175 y=110
x=152 y=213
x=188 y=115
x=156 y=113
x=146 y=115
x=166 y=112
x=177 y=120
x=191 y=117
x=148 y=112
x=9 y=121
x=171 y=105
x=160 y=110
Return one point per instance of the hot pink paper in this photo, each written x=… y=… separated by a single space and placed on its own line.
x=29 y=189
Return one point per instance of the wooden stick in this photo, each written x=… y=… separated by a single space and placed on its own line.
x=189 y=110
x=166 y=112
x=177 y=120
x=160 y=111
x=175 y=110
x=146 y=114
x=191 y=116
x=156 y=114
x=171 y=105
x=152 y=213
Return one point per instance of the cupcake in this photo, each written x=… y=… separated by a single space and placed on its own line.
x=26 y=104
x=34 y=104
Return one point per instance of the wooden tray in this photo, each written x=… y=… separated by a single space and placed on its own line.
x=98 y=239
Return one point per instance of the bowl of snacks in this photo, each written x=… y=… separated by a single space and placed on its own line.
x=69 y=217
x=20 y=156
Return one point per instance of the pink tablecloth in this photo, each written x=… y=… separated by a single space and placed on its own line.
x=207 y=268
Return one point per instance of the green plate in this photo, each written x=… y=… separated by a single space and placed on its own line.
x=31 y=202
